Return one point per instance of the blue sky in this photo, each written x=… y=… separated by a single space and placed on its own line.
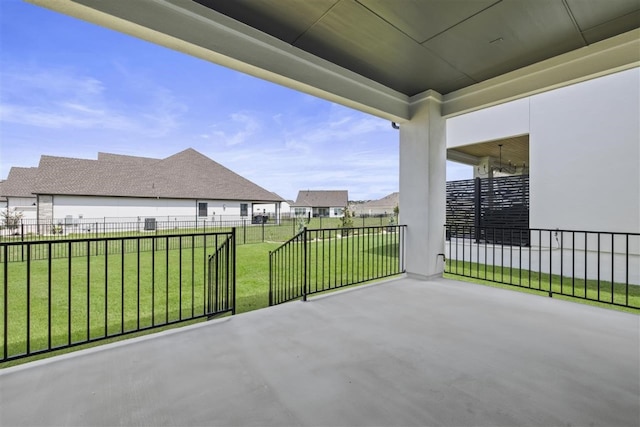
x=70 y=88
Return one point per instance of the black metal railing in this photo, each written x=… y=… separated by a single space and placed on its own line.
x=107 y=287
x=249 y=231
x=222 y=278
x=319 y=260
x=592 y=265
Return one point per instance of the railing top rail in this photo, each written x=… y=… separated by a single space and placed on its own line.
x=288 y=241
x=358 y=228
x=118 y=238
x=558 y=230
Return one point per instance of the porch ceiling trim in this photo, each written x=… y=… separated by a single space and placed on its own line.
x=196 y=30
x=612 y=55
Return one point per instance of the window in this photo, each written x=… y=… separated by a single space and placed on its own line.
x=320 y=212
x=202 y=209
x=337 y=211
x=300 y=211
x=244 y=209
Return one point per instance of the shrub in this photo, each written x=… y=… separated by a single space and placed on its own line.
x=11 y=218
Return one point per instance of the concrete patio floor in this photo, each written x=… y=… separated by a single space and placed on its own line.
x=400 y=353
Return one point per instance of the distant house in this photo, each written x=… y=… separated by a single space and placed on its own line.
x=321 y=203
x=17 y=190
x=270 y=209
x=187 y=185
x=3 y=199
x=384 y=206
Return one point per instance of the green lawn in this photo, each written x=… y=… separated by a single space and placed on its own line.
x=577 y=289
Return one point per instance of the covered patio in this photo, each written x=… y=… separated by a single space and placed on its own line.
x=400 y=352
x=414 y=63
x=419 y=350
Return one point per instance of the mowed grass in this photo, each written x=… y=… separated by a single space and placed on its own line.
x=625 y=298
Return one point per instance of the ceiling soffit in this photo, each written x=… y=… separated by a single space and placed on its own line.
x=372 y=54
x=515 y=151
x=416 y=45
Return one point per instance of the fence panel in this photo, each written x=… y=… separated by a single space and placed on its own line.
x=489 y=203
x=592 y=265
x=319 y=260
x=70 y=292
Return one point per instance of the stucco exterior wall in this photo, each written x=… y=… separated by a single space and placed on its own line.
x=124 y=208
x=502 y=121
x=585 y=155
x=584 y=147
x=25 y=205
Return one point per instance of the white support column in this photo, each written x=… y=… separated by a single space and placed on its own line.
x=423 y=153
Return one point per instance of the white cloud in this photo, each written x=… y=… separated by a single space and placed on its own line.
x=65 y=99
x=240 y=128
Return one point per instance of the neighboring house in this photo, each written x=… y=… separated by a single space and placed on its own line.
x=321 y=203
x=3 y=199
x=270 y=210
x=186 y=185
x=384 y=206
x=17 y=190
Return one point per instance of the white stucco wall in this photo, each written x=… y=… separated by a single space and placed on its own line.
x=124 y=208
x=584 y=144
x=336 y=212
x=585 y=155
x=502 y=121
x=25 y=205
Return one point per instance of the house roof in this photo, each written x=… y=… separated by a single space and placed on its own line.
x=322 y=198
x=19 y=183
x=2 y=197
x=390 y=201
x=185 y=175
x=120 y=158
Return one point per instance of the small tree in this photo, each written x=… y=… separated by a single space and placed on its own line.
x=346 y=222
x=302 y=223
x=11 y=218
x=394 y=218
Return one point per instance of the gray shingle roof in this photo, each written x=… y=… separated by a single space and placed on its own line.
x=389 y=201
x=322 y=198
x=185 y=175
x=120 y=158
x=20 y=182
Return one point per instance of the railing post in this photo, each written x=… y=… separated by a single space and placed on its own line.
x=22 y=241
x=270 y=279
x=304 y=265
x=233 y=267
x=244 y=231
x=477 y=202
